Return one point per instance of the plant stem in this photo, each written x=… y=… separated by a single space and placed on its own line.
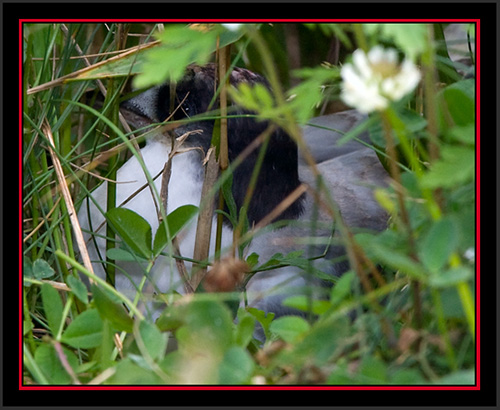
x=429 y=68
x=251 y=186
x=111 y=187
x=396 y=175
x=101 y=282
x=223 y=144
x=33 y=367
x=360 y=37
x=438 y=309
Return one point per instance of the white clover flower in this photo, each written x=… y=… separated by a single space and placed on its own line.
x=470 y=255
x=232 y=26
x=373 y=80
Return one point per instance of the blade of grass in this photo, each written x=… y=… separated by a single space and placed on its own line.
x=101 y=282
x=68 y=200
x=32 y=366
x=91 y=72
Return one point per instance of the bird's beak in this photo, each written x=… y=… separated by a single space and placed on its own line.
x=140 y=111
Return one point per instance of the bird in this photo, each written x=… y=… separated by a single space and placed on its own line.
x=350 y=173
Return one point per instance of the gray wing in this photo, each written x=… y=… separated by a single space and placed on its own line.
x=323 y=134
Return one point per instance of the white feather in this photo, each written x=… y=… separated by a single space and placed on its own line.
x=184 y=188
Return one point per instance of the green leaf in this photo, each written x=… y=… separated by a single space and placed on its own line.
x=294 y=258
x=53 y=307
x=27 y=325
x=181 y=46
x=104 y=353
x=373 y=371
x=465 y=134
x=114 y=312
x=154 y=341
x=176 y=221
x=342 y=289
x=265 y=319
x=290 y=328
x=410 y=38
x=236 y=367
x=462 y=377
x=244 y=328
x=438 y=244
x=252 y=260
x=306 y=304
x=27 y=270
x=409 y=122
x=451 y=277
x=397 y=259
x=78 y=288
x=42 y=270
x=247 y=96
x=456 y=167
x=457 y=102
x=407 y=377
x=119 y=254
x=305 y=97
x=169 y=319
x=85 y=331
x=340 y=374
x=323 y=340
x=118 y=66
x=50 y=364
x=207 y=325
x=129 y=373
x=133 y=229
x=452 y=305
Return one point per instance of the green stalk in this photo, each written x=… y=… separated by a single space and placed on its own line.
x=35 y=202
x=438 y=310
x=112 y=100
x=360 y=37
x=26 y=313
x=430 y=80
x=111 y=191
x=466 y=298
x=223 y=144
x=67 y=307
x=32 y=366
x=101 y=282
x=251 y=186
x=68 y=232
x=429 y=65
x=398 y=126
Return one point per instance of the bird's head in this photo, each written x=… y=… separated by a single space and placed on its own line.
x=192 y=104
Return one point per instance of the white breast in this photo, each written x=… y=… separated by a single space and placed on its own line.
x=184 y=189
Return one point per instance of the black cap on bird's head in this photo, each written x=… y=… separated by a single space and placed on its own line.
x=194 y=93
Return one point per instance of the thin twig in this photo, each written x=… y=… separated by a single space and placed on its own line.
x=64 y=361
x=396 y=176
x=205 y=219
x=167 y=172
x=281 y=207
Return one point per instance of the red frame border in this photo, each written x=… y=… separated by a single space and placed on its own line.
x=257 y=387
